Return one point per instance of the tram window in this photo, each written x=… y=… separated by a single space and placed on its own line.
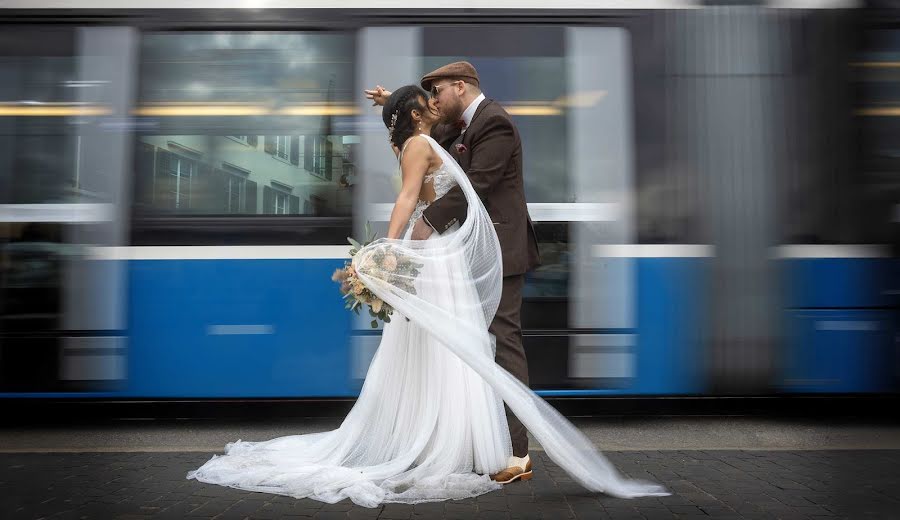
x=38 y=142
x=38 y=165
x=841 y=183
x=246 y=123
x=524 y=69
x=574 y=126
x=876 y=178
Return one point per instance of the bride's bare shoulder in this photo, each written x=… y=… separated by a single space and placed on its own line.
x=416 y=148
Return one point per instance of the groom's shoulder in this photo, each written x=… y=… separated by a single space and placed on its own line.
x=493 y=108
x=494 y=112
x=494 y=116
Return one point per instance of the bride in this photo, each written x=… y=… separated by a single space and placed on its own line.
x=429 y=423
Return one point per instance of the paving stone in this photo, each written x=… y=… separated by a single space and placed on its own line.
x=753 y=485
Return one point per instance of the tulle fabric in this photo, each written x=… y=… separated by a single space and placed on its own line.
x=425 y=428
x=429 y=423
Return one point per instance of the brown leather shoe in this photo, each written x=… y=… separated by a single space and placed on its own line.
x=513 y=474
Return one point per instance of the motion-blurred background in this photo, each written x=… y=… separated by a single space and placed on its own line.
x=715 y=187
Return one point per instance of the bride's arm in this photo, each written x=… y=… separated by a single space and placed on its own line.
x=413 y=166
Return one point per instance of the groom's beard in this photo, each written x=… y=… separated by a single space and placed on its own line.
x=452 y=114
x=451 y=120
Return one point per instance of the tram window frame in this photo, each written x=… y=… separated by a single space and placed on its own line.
x=293 y=226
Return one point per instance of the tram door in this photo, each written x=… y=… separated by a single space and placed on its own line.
x=63 y=164
x=602 y=287
x=567 y=91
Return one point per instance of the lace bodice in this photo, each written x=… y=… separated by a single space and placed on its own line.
x=442 y=180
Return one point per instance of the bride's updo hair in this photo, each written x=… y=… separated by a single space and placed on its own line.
x=397 y=113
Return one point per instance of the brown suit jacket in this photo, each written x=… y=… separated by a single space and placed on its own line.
x=491 y=155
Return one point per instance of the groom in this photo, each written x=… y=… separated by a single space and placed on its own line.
x=482 y=138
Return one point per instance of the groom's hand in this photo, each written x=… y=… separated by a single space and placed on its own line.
x=378 y=95
x=421 y=230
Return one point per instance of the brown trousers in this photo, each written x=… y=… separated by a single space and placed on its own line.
x=507 y=327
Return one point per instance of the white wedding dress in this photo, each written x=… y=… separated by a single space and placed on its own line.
x=429 y=423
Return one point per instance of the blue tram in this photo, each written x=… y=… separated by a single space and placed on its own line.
x=715 y=191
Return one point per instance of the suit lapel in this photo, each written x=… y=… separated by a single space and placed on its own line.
x=465 y=159
x=478 y=112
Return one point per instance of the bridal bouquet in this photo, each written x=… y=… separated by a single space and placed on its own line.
x=396 y=269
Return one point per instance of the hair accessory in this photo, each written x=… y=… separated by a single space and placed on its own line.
x=393 y=124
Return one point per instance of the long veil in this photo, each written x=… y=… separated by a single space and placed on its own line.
x=474 y=248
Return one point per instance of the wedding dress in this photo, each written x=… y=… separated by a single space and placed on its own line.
x=429 y=423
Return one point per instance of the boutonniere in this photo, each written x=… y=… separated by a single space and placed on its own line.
x=461 y=148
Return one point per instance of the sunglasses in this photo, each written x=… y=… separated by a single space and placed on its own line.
x=436 y=89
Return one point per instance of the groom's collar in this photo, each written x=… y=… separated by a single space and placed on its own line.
x=469 y=112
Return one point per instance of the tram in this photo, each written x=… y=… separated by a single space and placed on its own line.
x=715 y=192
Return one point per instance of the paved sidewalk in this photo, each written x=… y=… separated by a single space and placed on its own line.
x=610 y=433
x=724 y=484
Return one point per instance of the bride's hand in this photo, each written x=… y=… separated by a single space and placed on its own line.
x=421 y=230
x=378 y=95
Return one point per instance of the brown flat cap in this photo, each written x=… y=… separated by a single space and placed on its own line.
x=459 y=69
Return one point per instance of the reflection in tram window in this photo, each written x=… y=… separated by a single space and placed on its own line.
x=215 y=175
x=288 y=95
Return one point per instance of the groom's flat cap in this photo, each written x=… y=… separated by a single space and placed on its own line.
x=459 y=69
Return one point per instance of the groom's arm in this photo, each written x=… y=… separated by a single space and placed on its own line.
x=443 y=132
x=378 y=95
x=490 y=150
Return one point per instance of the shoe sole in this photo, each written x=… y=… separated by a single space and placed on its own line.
x=521 y=476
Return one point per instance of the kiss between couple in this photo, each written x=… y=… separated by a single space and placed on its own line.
x=430 y=422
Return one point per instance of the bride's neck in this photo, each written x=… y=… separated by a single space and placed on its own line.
x=426 y=130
